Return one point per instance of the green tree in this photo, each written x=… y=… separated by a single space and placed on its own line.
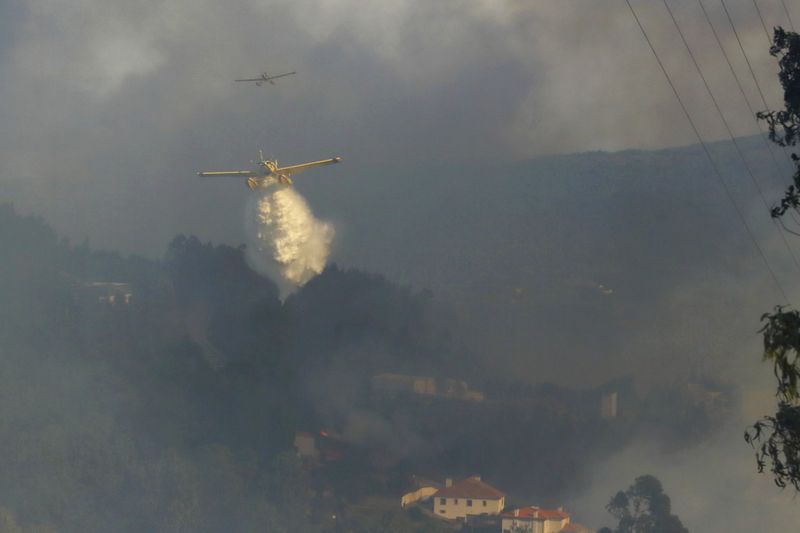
x=644 y=508
x=776 y=438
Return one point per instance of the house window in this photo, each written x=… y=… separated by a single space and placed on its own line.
x=484 y=503
x=442 y=501
x=469 y=503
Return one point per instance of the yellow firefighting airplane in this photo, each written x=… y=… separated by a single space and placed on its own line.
x=269 y=173
x=267 y=78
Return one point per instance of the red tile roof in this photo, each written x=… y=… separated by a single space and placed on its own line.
x=470 y=488
x=537 y=513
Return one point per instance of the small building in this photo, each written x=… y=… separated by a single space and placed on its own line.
x=536 y=520
x=608 y=405
x=449 y=388
x=106 y=292
x=394 y=383
x=458 y=389
x=470 y=496
x=305 y=446
x=316 y=449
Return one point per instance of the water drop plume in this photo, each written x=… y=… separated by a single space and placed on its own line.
x=285 y=241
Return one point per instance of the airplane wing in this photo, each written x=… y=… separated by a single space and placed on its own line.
x=279 y=76
x=229 y=173
x=268 y=78
x=295 y=169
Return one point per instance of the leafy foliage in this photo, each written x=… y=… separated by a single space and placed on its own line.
x=776 y=438
x=782 y=346
x=644 y=508
x=777 y=443
x=784 y=125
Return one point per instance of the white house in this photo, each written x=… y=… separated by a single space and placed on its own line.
x=470 y=496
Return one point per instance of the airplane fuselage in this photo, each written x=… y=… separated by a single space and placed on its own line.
x=268 y=172
x=269 y=175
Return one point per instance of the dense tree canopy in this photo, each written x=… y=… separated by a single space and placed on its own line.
x=644 y=508
x=175 y=410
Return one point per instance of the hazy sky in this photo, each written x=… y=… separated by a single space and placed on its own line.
x=109 y=107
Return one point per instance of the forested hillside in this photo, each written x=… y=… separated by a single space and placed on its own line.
x=173 y=409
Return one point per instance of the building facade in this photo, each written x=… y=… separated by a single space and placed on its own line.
x=470 y=496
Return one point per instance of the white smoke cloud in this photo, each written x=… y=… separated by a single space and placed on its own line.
x=285 y=240
x=713 y=487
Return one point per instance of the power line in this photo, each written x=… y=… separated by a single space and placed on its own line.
x=750 y=68
x=730 y=132
x=744 y=54
x=717 y=173
x=761 y=18
x=769 y=146
x=788 y=16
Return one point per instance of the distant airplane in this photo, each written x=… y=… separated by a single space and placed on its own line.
x=266 y=77
x=269 y=173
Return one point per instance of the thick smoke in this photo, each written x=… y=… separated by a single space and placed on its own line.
x=285 y=240
x=713 y=487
